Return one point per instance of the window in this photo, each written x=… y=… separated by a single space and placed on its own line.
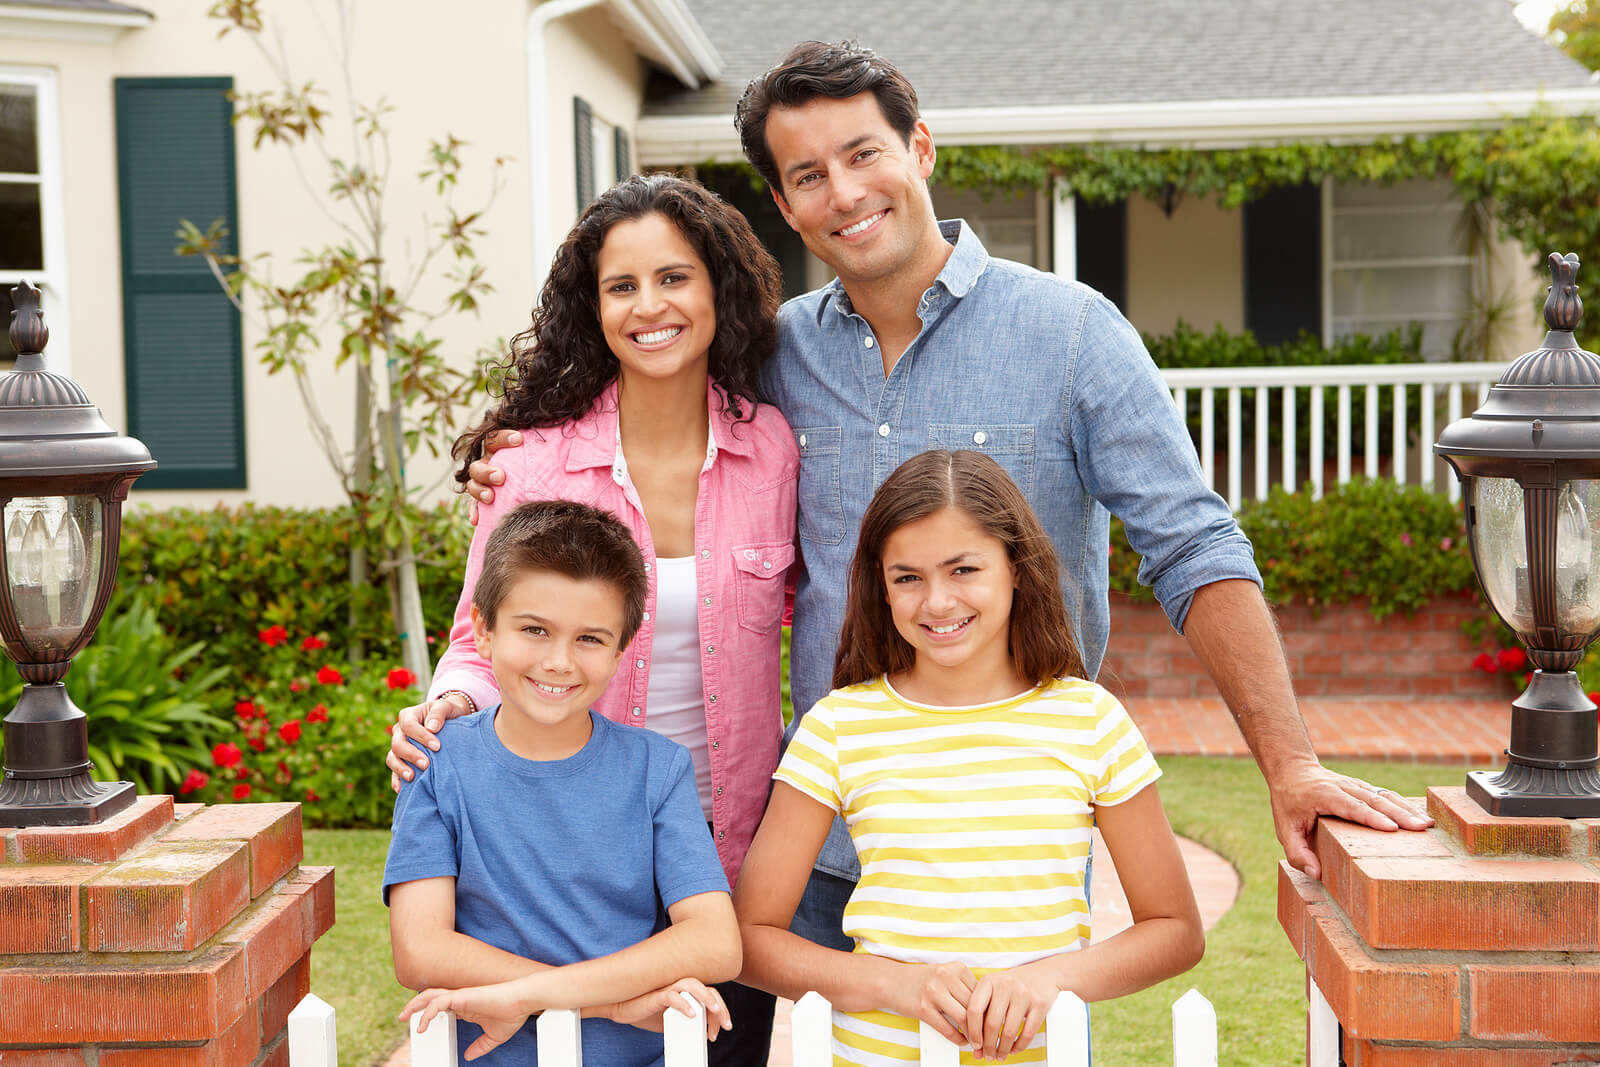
x=182 y=351
x=600 y=150
x=31 y=226
x=1395 y=255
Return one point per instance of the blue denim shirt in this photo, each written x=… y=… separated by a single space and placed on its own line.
x=1043 y=375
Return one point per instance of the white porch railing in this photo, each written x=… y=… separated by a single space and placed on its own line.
x=1283 y=394
x=1194 y=1036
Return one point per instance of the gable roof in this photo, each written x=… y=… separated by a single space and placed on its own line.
x=1079 y=58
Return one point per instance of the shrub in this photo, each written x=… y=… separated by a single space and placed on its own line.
x=1397 y=546
x=313 y=730
x=223 y=575
x=150 y=707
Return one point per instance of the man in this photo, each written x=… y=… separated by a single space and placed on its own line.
x=924 y=341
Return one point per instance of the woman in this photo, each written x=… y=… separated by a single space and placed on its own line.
x=635 y=391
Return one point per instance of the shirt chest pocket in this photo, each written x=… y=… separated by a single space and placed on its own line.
x=1011 y=446
x=758 y=583
x=821 y=501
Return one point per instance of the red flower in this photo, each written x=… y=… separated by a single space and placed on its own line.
x=194 y=780
x=400 y=678
x=318 y=714
x=290 y=731
x=1511 y=659
x=273 y=635
x=245 y=709
x=241 y=791
x=257 y=743
x=1594 y=697
x=296 y=685
x=226 y=754
x=329 y=676
x=311 y=796
x=312 y=644
x=1485 y=662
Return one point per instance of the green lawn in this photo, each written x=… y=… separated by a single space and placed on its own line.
x=1250 y=973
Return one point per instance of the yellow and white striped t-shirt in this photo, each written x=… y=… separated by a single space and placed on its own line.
x=972 y=825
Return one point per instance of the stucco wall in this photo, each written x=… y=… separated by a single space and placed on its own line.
x=465 y=75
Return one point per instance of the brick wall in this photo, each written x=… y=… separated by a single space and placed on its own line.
x=1340 y=652
x=1473 y=944
x=169 y=936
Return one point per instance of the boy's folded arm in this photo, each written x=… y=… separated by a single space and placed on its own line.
x=430 y=952
x=702 y=943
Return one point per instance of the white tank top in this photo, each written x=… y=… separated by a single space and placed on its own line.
x=676 y=686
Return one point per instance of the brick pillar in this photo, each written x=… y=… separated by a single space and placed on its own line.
x=1474 y=944
x=169 y=936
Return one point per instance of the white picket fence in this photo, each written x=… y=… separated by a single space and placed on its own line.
x=1283 y=394
x=1194 y=1036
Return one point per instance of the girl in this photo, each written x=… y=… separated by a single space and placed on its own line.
x=969 y=765
x=635 y=391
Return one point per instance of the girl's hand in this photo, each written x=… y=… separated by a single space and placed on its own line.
x=937 y=994
x=1006 y=1010
x=645 y=1011
x=496 y=1008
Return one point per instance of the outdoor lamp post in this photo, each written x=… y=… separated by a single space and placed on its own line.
x=1529 y=463
x=63 y=477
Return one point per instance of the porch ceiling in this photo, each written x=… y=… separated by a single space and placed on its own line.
x=1187 y=71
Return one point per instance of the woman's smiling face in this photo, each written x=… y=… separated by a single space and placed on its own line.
x=656 y=298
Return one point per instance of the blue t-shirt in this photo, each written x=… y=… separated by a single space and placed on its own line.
x=557 y=861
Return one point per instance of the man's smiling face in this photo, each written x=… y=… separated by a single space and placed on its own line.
x=855 y=191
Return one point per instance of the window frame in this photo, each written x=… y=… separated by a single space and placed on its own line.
x=51 y=279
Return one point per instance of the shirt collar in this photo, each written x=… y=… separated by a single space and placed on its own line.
x=596 y=437
x=960 y=273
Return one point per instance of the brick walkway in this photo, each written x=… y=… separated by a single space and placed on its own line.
x=1467 y=731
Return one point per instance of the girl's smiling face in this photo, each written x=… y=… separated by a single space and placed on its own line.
x=949 y=585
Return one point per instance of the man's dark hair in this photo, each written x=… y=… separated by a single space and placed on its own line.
x=565 y=538
x=814 y=69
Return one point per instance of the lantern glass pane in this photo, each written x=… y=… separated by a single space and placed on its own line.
x=1578 y=557
x=1500 y=546
x=53 y=546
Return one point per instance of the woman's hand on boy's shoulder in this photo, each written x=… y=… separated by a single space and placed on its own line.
x=645 y=1011
x=420 y=723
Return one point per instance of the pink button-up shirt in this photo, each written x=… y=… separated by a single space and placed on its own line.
x=744 y=519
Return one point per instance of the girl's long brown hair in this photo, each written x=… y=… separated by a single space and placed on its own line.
x=1041 y=641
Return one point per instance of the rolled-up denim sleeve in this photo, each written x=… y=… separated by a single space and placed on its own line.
x=1135 y=457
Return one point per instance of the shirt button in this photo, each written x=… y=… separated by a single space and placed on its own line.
x=708 y=602
x=721 y=834
x=883 y=431
x=711 y=650
x=869 y=342
x=636 y=711
x=979 y=438
x=713 y=700
x=705 y=553
x=647 y=566
x=716 y=744
x=719 y=790
x=639 y=663
x=647 y=616
x=766 y=564
x=802 y=440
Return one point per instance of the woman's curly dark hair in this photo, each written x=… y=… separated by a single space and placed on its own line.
x=559 y=366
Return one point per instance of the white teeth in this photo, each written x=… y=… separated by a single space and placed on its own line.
x=655 y=337
x=851 y=231
x=554 y=690
x=952 y=628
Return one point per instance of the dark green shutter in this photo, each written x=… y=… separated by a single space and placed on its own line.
x=182 y=351
x=1283 y=264
x=583 y=149
x=1102 y=232
x=622 y=152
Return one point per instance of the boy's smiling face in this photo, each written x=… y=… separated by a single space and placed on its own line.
x=554 y=646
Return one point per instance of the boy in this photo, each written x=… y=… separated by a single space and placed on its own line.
x=549 y=883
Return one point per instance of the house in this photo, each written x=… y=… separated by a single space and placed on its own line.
x=116 y=125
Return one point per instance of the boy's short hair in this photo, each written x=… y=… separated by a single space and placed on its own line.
x=566 y=538
x=813 y=69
